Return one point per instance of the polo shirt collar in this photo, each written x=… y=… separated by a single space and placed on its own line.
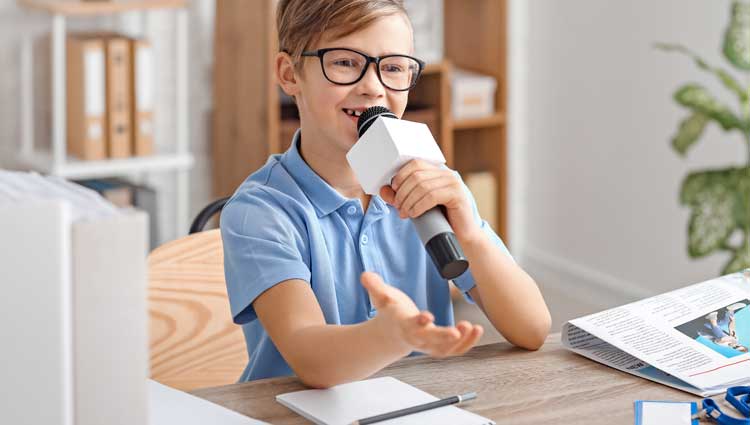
x=324 y=198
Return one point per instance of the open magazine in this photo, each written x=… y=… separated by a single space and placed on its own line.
x=695 y=339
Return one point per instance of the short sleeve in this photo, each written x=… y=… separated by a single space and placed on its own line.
x=466 y=281
x=262 y=247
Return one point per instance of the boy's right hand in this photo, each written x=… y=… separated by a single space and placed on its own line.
x=400 y=320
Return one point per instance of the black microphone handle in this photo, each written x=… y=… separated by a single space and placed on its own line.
x=441 y=243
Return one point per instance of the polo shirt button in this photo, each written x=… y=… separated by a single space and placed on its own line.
x=372 y=313
x=364 y=239
x=351 y=210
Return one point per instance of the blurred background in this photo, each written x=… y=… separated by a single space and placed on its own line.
x=559 y=115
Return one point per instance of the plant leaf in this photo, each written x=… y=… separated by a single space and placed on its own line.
x=737 y=36
x=742 y=206
x=712 y=199
x=690 y=130
x=724 y=76
x=697 y=98
x=740 y=261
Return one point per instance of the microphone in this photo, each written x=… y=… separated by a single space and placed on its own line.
x=385 y=144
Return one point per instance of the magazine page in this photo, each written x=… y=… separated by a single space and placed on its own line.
x=587 y=345
x=699 y=334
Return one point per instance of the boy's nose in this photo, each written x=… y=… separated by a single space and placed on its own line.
x=370 y=84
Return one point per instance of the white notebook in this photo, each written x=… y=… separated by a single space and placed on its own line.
x=169 y=406
x=344 y=404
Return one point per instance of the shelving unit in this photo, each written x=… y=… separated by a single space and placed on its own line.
x=248 y=124
x=56 y=161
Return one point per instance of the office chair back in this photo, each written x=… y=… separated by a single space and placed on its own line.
x=206 y=213
x=193 y=342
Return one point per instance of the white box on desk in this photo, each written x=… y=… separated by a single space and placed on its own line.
x=74 y=316
x=472 y=94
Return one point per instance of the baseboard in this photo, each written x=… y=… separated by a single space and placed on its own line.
x=600 y=290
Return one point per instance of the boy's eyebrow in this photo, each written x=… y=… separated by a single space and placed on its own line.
x=389 y=52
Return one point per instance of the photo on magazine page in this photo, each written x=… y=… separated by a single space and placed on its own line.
x=726 y=330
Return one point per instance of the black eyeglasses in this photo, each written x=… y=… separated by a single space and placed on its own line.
x=346 y=66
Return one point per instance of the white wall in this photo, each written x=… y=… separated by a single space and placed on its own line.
x=17 y=23
x=595 y=189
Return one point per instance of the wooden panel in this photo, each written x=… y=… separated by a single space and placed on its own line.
x=433 y=90
x=514 y=386
x=193 y=342
x=484 y=149
x=494 y=120
x=76 y=7
x=246 y=114
x=476 y=39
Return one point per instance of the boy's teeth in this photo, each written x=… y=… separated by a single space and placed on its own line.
x=352 y=112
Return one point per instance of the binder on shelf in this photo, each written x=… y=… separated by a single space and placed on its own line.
x=119 y=109
x=142 y=84
x=86 y=97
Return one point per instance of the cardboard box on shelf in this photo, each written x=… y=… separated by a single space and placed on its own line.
x=484 y=188
x=472 y=95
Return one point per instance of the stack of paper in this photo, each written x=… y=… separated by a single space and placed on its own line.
x=17 y=187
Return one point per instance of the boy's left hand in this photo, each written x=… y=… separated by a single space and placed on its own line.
x=420 y=185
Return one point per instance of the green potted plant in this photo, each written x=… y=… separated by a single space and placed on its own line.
x=719 y=199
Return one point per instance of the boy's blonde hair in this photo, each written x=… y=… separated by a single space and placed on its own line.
x=301 y=23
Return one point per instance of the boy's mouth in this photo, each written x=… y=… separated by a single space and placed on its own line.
x=352 y=112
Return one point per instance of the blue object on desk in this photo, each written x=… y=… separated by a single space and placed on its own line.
x=738 y=397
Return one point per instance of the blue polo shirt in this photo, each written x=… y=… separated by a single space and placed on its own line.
x=285 y=222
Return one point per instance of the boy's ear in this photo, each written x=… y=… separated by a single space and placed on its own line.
x=285 y=74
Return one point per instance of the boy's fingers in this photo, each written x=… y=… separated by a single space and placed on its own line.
x=388 y=194
x=421 y=320
x=438 y=338
x=464 y=327
x=411 y=184
x=404 y=172
x=425 y=317
x=431 y=334
x=463 y=343
x=375 y=287
x=472 y=337
x=465 y=336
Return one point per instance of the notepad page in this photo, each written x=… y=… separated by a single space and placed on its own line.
x=346 y=403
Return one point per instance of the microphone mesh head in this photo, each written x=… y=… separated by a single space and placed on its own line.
x=369 y=116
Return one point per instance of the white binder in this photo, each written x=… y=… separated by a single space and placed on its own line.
x=73 y=316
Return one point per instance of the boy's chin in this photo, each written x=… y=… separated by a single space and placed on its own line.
x=349 y=142
x=349 y=138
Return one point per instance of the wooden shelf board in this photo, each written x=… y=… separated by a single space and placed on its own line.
x=108 y=7
x=434 y=68
x=494 y=120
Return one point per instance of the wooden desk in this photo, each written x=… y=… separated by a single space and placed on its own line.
x=550 y=386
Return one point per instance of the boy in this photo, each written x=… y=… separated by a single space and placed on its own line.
x=300 y=232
